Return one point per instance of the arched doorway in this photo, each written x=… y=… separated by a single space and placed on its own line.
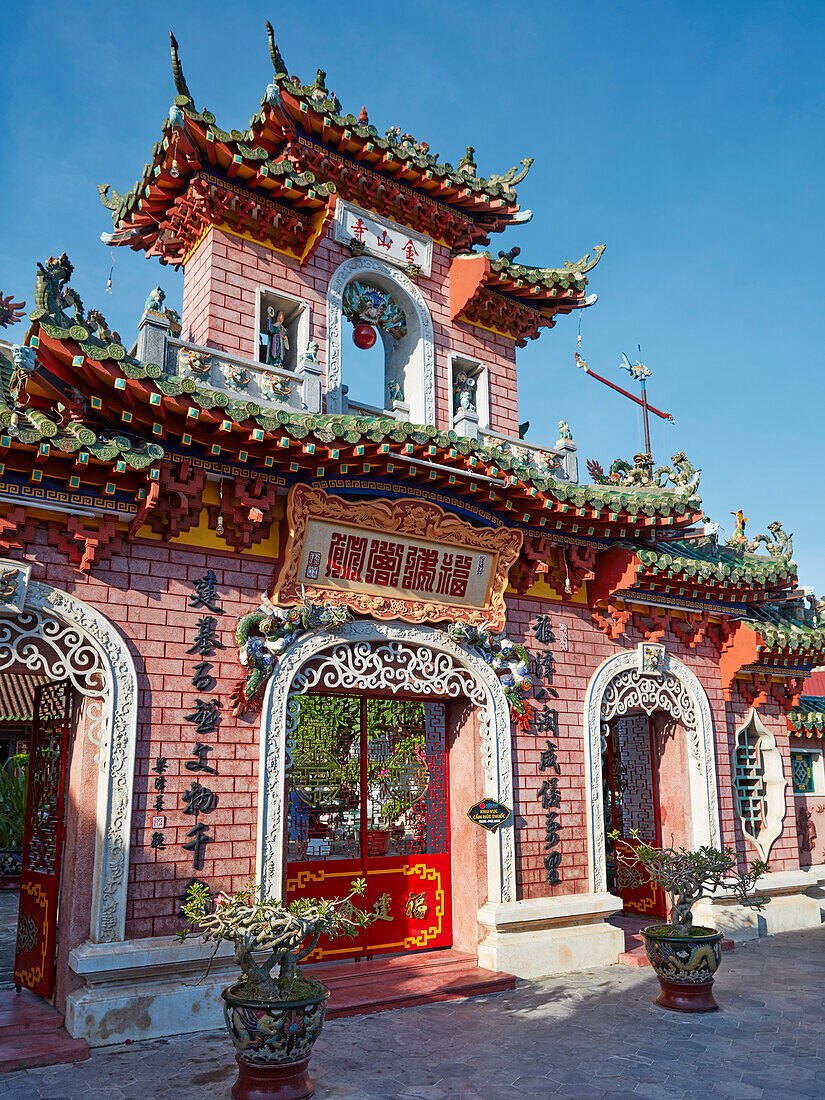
x=46 y=631
x=451 y=685
x=410 y=361
x=644 y=707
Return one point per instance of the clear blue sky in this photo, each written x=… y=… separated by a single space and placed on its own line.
x=687 y=136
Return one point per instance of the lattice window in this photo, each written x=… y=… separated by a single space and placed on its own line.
x=749 y=781
x=759 y=783
x=802 y=772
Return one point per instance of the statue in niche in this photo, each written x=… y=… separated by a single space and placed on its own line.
x=395 y=390
x=277 y=342
x=464 y=392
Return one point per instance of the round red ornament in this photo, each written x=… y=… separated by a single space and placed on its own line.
x=363 y=336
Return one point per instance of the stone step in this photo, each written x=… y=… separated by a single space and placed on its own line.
x=32 y=1034
x=403 y=981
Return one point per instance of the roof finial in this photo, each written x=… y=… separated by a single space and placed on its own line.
x=177 y=70
x=277 y=61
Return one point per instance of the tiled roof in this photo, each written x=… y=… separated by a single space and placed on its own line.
x=17 y=695
x=708 y=560
x=780 y=631
x=809 y=717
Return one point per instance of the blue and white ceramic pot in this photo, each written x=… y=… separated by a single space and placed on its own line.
x=684 y=964
x=273 y=1042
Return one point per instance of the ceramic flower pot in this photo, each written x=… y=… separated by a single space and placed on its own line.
x=684 y=964
x=273 y=1042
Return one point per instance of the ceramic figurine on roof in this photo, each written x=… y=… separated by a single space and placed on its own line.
x=779 y=544
x=10 y=311
x=155 y=300
x=738 y=538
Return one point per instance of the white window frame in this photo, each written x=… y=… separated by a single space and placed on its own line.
x=299 y=336
x=481 y=373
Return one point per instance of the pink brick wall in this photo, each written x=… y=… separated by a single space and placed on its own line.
x=219 y=290
x=145 y=592
x=589 y=648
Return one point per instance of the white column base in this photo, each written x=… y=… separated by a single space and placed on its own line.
x=540 y=937
x=146 y=989
x=789 y=907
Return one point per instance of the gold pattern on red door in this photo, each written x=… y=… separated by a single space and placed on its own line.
x=34 y=958
x=367 y=792
x=634 y=804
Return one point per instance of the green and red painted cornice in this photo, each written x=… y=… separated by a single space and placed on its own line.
x=110 y=392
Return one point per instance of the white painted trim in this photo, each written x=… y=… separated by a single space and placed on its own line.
x=421 y=399
x=680 y=693
x=494 y=722
x=80 y=643
x=775 y=784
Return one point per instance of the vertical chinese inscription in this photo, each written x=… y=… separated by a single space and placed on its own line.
x=203 y=714
x=547 y=723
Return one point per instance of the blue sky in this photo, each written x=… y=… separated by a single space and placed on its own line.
x=686 y=136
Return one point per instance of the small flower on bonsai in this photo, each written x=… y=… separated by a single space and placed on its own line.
x=283 y=934
x=689 y=876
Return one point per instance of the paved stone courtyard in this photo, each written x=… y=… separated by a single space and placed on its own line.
x=588 y=1035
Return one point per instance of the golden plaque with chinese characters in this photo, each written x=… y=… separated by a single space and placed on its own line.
x=394 y=559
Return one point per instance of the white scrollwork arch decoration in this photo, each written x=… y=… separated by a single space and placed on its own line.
x=393 y=657
x=64 y=638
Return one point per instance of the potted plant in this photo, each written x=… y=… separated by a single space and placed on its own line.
x=13 y=790
x=685 y=957
x=273 y=1019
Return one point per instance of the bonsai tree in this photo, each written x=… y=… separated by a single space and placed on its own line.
x=687 y=876
x=282 y=935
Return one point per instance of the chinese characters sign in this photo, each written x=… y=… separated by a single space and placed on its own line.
x=383 y=238
x=395 y=559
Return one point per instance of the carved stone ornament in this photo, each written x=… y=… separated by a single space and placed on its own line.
x=495 y=549
x=14 y=581
x=619 y=687
x=59 y=635
x=388 y=658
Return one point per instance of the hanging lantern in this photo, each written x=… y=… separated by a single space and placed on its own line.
x=363 y=336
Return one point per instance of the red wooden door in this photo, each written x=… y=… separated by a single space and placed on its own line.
x=368 y=799
x=634 y=787
x=43 y=838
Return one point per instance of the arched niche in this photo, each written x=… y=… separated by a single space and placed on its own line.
x=410 y=360
x=619 y=687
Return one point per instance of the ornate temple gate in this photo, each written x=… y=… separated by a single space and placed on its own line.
x=633 y=797
x=367 y=790
x=34 y=962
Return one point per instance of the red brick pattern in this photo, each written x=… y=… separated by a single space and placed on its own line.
x=220 y=284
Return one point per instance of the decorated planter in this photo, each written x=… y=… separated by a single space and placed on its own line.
x=684 y=962
x=273 y=1041
x=11 y=865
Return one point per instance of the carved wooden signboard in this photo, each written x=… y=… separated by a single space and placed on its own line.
x=399 y=559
